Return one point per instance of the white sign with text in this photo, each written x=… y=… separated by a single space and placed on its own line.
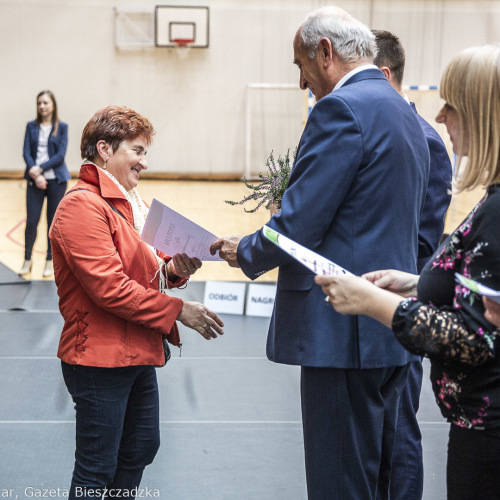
x=260 y=299
x=225 y=296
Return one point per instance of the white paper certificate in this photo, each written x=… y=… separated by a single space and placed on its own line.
x=313 y=261
x=478 y=288
x=172 y=233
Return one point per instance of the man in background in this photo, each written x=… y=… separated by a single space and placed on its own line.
x=355 y=196
x=407 y=474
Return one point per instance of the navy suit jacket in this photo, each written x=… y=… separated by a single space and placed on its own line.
x=438 y=197
x=355 y=196
x=56 y=148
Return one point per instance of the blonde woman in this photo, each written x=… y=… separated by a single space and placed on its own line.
x=439 y=318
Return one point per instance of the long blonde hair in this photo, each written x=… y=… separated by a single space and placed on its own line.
x=471 y=85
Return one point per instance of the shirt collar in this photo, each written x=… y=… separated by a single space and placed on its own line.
x=352 y=73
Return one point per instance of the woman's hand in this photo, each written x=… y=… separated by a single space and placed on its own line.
x=35 y=171
x=182 y=266
x=347 y=294
x=196 y=316
x=41 y=182
x=404 y=284
x=492 y=313
x=353 y=295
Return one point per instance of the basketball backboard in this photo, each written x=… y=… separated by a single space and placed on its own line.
x=181 y=23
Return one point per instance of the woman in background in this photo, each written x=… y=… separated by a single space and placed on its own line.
x=45 y=144
x=440 y=318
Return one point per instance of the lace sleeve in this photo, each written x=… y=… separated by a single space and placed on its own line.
x=440 y=334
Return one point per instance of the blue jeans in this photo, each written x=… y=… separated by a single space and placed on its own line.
x=34 y=203
x=117 y=427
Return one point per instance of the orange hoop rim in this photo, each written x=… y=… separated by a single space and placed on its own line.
x=182 y=42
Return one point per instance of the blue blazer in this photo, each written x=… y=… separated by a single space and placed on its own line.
x=438 y=197
x=355 y=196
x=56 y=148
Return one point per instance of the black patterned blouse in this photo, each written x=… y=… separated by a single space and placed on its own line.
x=446 y=323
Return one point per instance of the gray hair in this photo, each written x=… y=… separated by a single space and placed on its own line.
x=350 y=39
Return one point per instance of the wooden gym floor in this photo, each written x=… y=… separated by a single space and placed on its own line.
x=201 y=201
x=217 y=437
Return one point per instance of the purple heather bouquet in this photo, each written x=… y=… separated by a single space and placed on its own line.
x=274 y=183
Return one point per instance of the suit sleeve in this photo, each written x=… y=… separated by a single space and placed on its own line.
x=29 y=160
x=85 y=238
x=327 y=162
x=437 y=201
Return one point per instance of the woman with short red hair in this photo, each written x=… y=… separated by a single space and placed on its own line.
x=118 y=320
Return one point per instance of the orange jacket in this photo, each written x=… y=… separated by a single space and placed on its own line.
x=113 y=313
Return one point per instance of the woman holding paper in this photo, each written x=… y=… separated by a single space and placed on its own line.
x=438 y=318
x=118 y=319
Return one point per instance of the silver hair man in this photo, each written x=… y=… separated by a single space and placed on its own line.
x=351 y=39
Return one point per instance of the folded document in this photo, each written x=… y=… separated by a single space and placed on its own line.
x=172 y=233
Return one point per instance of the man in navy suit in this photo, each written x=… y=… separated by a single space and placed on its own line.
x=355 y=196
x=407 y=475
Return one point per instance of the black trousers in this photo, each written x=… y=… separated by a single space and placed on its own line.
x=473 y=469
x=34 y=203
x=407 y=471
x=349 y=422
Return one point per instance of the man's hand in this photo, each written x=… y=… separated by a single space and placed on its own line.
x=228 y=248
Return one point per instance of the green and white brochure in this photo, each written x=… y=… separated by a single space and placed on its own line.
x=477 y=287
x=313 y=261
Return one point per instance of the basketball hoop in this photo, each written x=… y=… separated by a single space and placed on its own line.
x=182 y=46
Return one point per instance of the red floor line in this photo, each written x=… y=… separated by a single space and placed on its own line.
x=18 y=243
